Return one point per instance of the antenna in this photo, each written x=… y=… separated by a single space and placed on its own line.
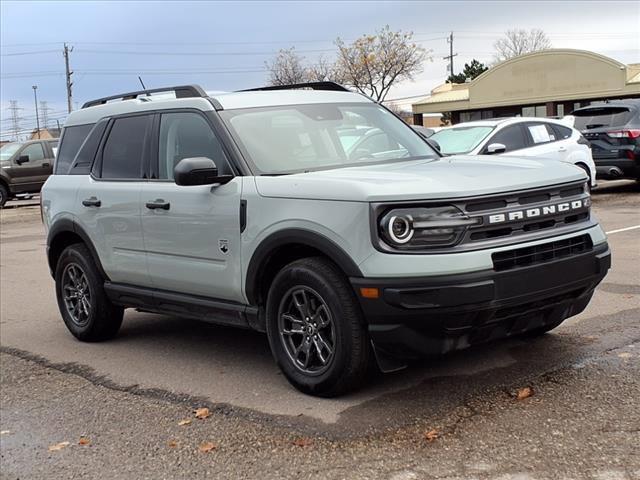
x=142 y=83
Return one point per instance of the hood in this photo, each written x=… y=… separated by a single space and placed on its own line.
x=449 y=177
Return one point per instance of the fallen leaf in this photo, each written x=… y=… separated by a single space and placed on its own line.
x=202 y=413
x=431 y=435
x=625 y=355
x=58 y=446
x=84 y=441
x=5 y=432
x=303 y=442
x=172 y=444
x=523 y=393
x=186 y=421
x=207 y=447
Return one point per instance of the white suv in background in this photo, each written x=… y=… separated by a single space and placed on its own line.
x=521 y=136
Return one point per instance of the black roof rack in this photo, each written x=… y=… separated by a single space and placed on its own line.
x=182 y=91
x=336 y=87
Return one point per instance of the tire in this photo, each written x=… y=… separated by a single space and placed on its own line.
x=96 y=318
x=4 y=195
x=586 y=170
x=340 y=326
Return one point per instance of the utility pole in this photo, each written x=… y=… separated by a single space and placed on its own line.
x=451 y=54
x=35 y=98
x=15 y=119
x=44 y=108
x=68 y=73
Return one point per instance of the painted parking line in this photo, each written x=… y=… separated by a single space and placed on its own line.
x=622 y=229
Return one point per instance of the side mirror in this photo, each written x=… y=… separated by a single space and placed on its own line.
x=198 y=171
x=495 y=148
x=22 y=159
x=435 y=145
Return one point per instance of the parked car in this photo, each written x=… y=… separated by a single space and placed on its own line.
x=520 y=136
x=613 y=129
x=24 y=167
x=245 y=209
x=424 y=131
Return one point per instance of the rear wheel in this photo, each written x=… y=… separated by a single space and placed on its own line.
x=586 y=170
x=316 y=330
x=85 y=308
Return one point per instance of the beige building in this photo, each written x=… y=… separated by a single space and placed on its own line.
x=542 y=84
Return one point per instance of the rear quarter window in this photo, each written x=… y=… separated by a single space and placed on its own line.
x=70 y=143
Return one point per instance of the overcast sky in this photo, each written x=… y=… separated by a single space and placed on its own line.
x=223 y=46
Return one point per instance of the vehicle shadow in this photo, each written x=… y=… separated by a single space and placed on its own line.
x=616 y=186
x=240 y=365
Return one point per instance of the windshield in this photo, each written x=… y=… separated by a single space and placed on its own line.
x=600 y=117
x=460 y=139
x=7 y=151
x=301 y=138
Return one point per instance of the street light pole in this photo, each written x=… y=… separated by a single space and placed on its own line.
x=35 y=97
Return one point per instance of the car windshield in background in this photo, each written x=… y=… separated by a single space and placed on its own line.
x=601 y=117
x=7 y=151
x=460 y=139
x=300 y=138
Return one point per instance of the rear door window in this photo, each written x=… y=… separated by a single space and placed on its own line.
x=123 y=152
x=602 y=117
x=541 y=133
x=72 y=139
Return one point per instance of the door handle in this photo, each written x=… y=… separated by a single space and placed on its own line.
x=562 y=149
x=91 y=202
x=45 y=165
x=158 y=204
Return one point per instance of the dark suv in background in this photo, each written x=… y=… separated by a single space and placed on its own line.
x=613 y=129
x=25 y=166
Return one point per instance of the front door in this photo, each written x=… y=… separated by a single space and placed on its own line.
x=30 y=167
x=191 y=233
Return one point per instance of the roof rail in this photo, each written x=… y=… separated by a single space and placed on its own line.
x=182 y=91
x=336 y=87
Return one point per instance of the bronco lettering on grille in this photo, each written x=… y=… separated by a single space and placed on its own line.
x=538 y=212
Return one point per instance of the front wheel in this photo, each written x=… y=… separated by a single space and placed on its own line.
x=316 y=330
x=4 y=195
x=85 y=308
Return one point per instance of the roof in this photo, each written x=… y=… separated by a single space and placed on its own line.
x=265 y=98
x=227 y=100
x=499 y=121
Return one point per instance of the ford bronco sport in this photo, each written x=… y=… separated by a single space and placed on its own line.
x=314 y=215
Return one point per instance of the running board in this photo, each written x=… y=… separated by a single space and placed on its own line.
x=179 y=304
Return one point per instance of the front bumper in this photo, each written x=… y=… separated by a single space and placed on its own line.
x=414 y=317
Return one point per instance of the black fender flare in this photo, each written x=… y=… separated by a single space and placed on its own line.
x=294 y=236
x=65 y=225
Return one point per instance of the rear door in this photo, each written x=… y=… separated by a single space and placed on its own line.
x=109 y=201
x=544 y=142
x=191 y=233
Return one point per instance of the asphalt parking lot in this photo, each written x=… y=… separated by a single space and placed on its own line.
x=455 y=417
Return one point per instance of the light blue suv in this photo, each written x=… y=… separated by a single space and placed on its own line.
x=317 y=216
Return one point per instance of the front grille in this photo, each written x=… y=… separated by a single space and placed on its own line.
x=524 y=201
x=546 y=252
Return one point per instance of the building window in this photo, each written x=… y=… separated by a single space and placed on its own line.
x=534 y=111
x=487 y=114
x=560 y=110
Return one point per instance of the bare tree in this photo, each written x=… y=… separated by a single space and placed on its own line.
x=374 y=63
x=519 y=42
x=324 y=71
x=287 y=68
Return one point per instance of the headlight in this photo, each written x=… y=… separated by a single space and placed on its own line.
x=420 y=228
